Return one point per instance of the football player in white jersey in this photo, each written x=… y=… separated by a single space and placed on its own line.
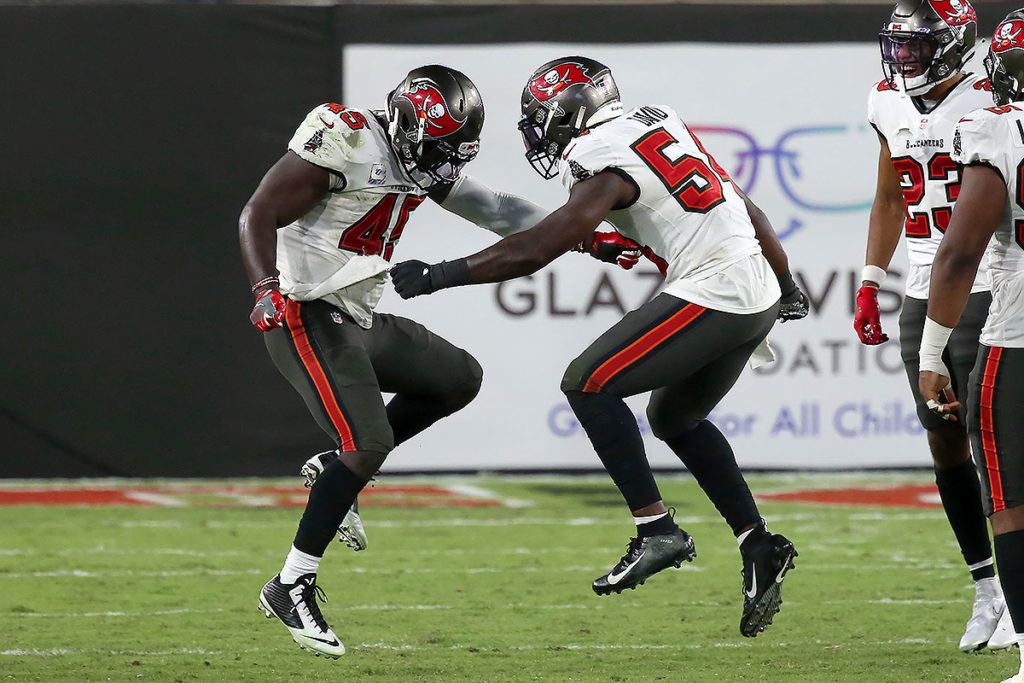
x=989 y=215
x=648 y=175
x=925 y=45
x=316 y=238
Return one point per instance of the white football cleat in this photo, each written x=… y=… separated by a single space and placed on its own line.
x=1004 y=636
x=316 y=465
x=295 y=605
x=350 y=531
x=988 y=608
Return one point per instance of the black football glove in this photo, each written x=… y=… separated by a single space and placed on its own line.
x=793 y=304
x=413 y=278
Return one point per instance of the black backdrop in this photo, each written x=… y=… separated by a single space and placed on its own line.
x=130 y=138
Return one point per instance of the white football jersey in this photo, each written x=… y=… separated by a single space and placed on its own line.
x=686 y=214
x=920 y=144
x=995 y=137
x=339 y=251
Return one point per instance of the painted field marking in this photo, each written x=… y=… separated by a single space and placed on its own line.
x=891 y=495
x=619 y=520
x=405 y=647
x=210 y=495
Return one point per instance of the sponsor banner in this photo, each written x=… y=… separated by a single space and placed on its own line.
x=788 y=123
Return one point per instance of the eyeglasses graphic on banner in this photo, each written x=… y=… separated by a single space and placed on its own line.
x=813 y=165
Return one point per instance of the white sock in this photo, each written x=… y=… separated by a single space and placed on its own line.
x=298 y=564
x=649 y=518
x=742 y=537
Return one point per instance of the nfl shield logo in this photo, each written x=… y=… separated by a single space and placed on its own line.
x=336 y=317
x=378 y=174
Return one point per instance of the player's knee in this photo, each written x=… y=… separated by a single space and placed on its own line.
x=468 y=388
x=948 y=444
x=574 y=377
x=365 y=462
x=666 y=425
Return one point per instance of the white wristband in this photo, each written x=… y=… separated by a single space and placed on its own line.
x=873 y=274
x=933 y=341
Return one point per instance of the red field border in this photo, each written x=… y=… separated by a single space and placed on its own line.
x=896 y=495
x=232 y=495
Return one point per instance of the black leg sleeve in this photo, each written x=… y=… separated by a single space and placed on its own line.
x=614 y=433
x=708 y=456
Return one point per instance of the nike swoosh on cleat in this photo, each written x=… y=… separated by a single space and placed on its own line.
x=785 y=568
x=614 y=578
x=753 y=583
x=334 y=642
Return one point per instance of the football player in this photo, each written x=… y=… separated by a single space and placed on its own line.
x=990 y=211
x=648 y=175
x=316 y=238
x=925 y=45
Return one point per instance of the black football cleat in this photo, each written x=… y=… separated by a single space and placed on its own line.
x=766 y=559
x=645 y=557
x=296 y=606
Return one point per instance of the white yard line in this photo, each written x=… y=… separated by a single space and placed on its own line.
x=596 y=605
x=405 y=647
x=368 y=513
x=166 y=612
x=65 y=552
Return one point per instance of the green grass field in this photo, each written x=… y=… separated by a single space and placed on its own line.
x=496 y=593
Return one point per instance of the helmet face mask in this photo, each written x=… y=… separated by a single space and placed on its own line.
x=435 y=117
x=541 y=151
x=1004 y=62
x=926 y=42
x=906 y=54
x=562 y=99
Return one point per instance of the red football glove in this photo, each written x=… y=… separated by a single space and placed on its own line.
x=611 y=247
x=268 y=312
x=866 y=321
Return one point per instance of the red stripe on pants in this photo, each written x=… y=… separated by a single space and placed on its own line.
x=316 y=373
x=641 y=347
x=986 y=421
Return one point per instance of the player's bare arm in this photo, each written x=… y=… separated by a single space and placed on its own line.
x=771 y=247
x=977 y=214
x=506 y=214
x=288 y=191
x=794 y=303
x=526 y=252
x=885 y=225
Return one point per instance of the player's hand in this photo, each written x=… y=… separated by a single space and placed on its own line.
x=866 y=320
x=938 y=395
x=611 y=247
x=412 y=278
x=268 y=312
x=794 y=305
